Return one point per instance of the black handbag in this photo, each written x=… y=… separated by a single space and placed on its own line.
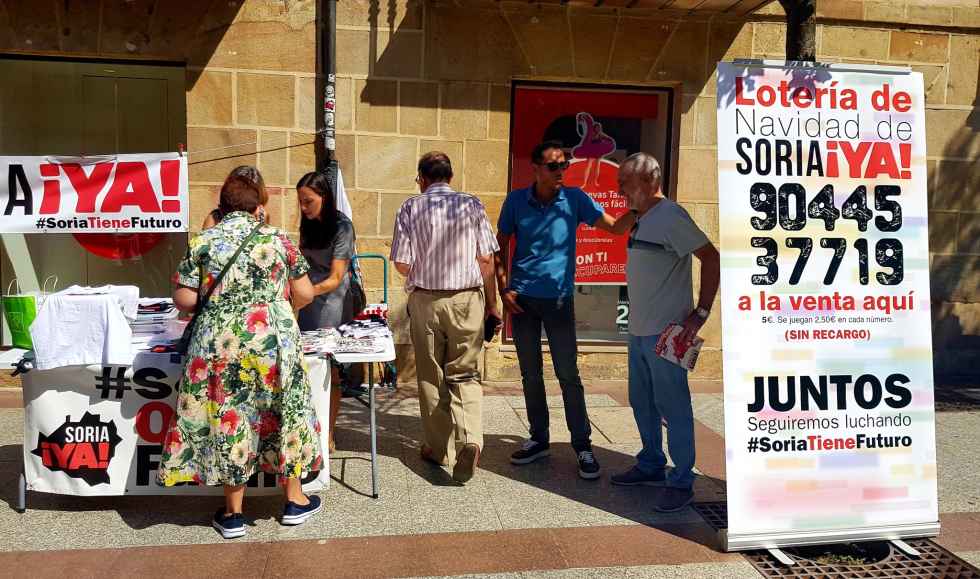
x=185 y=339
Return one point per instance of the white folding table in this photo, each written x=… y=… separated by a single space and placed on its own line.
x=388 y=355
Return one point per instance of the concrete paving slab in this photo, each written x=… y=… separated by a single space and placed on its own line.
x=558 y=430
x=616 y=424
x=569 y=502
x=355 y=517
x=971 y=557
x=528 y=507
x=39 y=530
x=11 y=426
x=501 y=421
x=350 y=472
x=709 y=409
x=13 y=454
x=555 y=401
x=958 y=456
x=422 y=511
x=453 y=510
x=193 y=526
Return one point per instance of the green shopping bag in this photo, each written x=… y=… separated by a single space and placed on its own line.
x=20 y=309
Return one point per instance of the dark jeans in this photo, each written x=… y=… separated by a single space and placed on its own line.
x=558 y=318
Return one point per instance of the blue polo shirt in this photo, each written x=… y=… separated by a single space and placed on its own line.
x=544 y=257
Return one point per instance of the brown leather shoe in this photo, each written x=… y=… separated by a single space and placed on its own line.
x=466 y=460
x=426 y=453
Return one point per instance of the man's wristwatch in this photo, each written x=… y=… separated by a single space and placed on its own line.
x=702 y=313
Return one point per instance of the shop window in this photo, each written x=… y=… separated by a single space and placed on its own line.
x=81 y=109
x=599 y=127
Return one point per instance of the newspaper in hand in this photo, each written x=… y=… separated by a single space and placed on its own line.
x=670 y=347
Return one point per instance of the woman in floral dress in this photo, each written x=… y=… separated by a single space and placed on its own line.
x=244 y=398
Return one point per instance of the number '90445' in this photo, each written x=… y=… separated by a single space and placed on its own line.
x=788 y=208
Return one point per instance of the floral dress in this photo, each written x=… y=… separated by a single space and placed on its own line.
x=244 y=399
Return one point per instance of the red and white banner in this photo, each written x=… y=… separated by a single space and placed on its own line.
x=98 y=430
x=105 y=194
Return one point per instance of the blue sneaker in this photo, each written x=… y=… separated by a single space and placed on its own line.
x=293 y=514
x=231 y=526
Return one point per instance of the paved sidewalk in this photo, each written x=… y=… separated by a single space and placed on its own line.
x=538 y=520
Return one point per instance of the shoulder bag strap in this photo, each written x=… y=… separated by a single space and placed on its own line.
x=203 y=301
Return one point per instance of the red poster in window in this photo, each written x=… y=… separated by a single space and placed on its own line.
x=598 y=128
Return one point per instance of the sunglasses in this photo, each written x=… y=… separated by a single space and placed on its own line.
x=555 y=165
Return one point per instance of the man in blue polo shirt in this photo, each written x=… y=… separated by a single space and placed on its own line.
x=543 y=219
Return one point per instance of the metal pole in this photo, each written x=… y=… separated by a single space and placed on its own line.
x=22 y=493
x=328 y=65
x=330 y=86
x=374 y=432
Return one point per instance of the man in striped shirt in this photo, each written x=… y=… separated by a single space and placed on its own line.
x=444 y=246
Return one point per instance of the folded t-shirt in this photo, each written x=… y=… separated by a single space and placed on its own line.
x=81 y=330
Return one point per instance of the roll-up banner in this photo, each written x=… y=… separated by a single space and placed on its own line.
x=829 y=414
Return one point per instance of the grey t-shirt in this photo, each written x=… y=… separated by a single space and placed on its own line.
x=336 y=307
x=658 y=268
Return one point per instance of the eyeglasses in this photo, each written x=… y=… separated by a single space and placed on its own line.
x=555 y=165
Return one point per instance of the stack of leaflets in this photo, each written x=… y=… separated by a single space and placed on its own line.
x=672 y=348
x=155 y=324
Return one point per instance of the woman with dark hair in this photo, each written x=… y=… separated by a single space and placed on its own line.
x=326 y=238
x=244 y=396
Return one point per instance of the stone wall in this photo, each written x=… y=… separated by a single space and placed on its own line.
x=251 y=71
x=439 y=78
x=415 y=76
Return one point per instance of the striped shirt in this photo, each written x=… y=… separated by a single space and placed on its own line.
x=440 y=234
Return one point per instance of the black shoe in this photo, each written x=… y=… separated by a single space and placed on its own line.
x=231 y=526
x=588 y=466
x=673 y=499
x=530 y=451
x=635 y=477
x=293 y=514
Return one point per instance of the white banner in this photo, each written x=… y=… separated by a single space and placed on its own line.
x=91 y=430
x=829 y=419
x=105 y=194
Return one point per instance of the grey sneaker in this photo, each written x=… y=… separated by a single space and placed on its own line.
x=673 y=499
x=635 y=477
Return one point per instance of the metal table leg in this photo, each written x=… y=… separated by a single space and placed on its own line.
x=22 y=493
x=374 y=434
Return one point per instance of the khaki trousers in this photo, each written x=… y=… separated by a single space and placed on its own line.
x=447 y=334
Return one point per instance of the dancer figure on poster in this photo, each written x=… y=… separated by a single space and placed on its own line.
x=594 y=145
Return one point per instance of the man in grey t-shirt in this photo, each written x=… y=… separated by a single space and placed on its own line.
x=658 y=276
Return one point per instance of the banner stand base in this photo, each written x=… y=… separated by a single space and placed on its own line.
x=894 y=533
x=905 y=548
x=782 y=557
